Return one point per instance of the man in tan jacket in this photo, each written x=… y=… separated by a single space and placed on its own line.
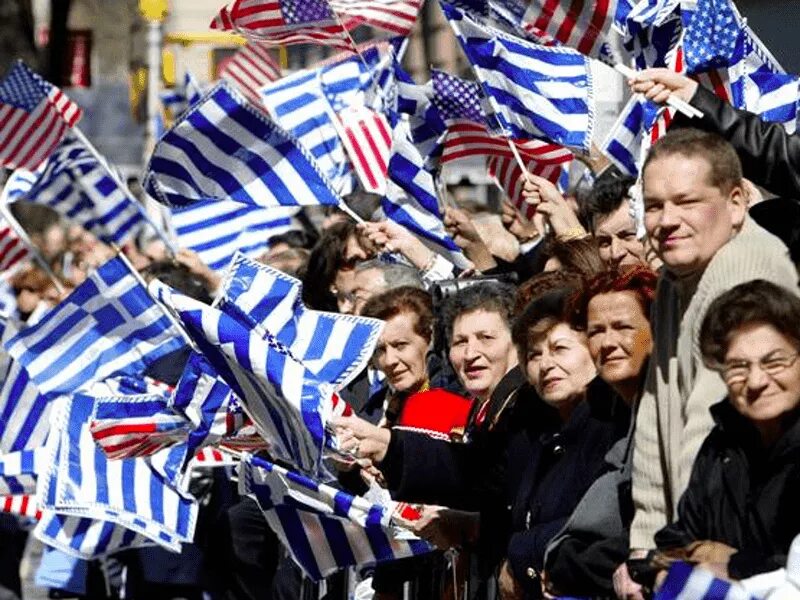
x=696 y=218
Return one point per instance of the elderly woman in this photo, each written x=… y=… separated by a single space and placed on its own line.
x=575 y=420
x=584 y=558
x=740 y=511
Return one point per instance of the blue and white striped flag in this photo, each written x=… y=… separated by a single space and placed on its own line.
x=305 y=104
x=179 y=99
x=652 y=31
x=108 y=325
x=686 y=582
x=19 y=471
x=324 y=529
x=135 y=493
x=217 y=229
x=623 y=145
x=225 y=149
x=332 y=346
x=19 y=183
x=23 y=410
x=87 y=538
x=535 y=91
x=411 y=199
x=288 y=406
x=80 y=188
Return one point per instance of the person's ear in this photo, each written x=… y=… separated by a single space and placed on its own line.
x=737 y=206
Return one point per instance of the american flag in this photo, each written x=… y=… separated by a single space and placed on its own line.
x=508 y=176
x=285 y=22
x=710 y=37
x=576 y=23
x=34 y=116
x=22 y=505
x=13 y=250
x=367 y=139
x=395 y=16
x=250 y=68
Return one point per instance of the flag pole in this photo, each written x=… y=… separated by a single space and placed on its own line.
x=518 y=158
x=165 y=309
x=23 y=235
x=90 y=147
x=680 y=105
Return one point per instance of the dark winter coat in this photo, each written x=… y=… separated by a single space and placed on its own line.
x=742 y=494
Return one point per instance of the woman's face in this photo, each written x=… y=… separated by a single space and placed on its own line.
x=481 y=351
x=401 y=352
x=619 y=337
x=559 y=365
x=762 y=373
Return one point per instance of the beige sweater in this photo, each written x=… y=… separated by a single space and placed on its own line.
x=673 y=418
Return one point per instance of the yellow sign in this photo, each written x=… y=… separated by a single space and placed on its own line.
x=153 y=10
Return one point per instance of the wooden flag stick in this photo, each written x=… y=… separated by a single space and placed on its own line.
x=518 y=158
x=675 y=102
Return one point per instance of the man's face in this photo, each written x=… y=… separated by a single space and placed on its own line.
x=368 y=283
x=616 y=238
x=688 y=219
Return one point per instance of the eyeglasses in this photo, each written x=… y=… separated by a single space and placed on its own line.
x=736 y=372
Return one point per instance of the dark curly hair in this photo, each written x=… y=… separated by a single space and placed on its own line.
x=404 y=299
x=489 y=296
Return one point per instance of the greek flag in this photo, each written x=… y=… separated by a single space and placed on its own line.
x=87 y=538
x=19 y=470
x=535 y=91
x=332 y=346
x=623 y=146
x=324 y=529
x=134 y=493
x=411 y=198
x=23 y=410
x=179 y=99
x=759 y=83
x=207 y=402
x=217 y=229
x=19 y=183
x=652 y=31
x=81 y=188
x=108 y=325
x=685 y=582
x=287 y=404
x=305 y=104
x=225 y=149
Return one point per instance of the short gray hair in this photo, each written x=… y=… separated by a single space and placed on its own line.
x=394 y=274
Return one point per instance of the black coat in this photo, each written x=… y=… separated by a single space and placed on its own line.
x=564 y=460
x=742 y=495
x=770 y=156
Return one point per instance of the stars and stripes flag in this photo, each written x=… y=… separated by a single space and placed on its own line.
x=217 y=229
x=584 y=26
x=367 y=138
x=507 y=174
x=687 y=581
x=250 y=68
x=284 y=22
x=710 y=37
x=534 y=91
x=34 y=116
x=395 y=16
x=225 y=149
x=411 y=198
x=136 y=494
x=324 y=529
x=332 y=346
x=108 y=325
x=305 y=104
x=13 y=249
x=469 y=128
x=23 y=505
x=289 y=407
x=75 y=184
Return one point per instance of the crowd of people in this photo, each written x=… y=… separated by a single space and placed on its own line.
x=584 y=407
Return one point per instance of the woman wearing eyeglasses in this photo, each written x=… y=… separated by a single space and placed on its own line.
x=742 y=507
